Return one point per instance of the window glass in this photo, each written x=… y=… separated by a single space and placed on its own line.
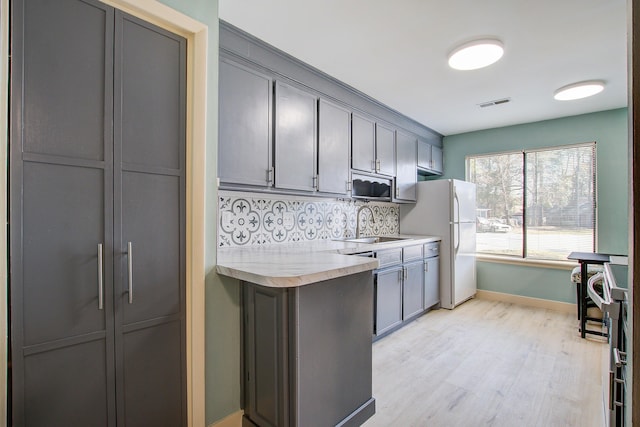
x=554 y=216
x=560 y=208
x=498 y=181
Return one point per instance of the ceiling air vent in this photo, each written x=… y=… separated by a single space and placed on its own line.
x=495 y=102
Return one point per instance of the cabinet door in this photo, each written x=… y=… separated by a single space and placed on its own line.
x=431 y=282
x=406 y=171
x=295 y=146
x=265 y=355
x=385 y=150
x=334 y=133
x=60 y=211
x=363 y=143
x=436 y=158
x=149 y=191
x=244 y=129
x=388 y=300
x=412 y=290
x=424 y=154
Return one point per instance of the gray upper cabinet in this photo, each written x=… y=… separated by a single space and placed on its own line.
x=334 y=138
x=275 y=135
x=295 y=138
x=437 y=160
x=245 y=123
x=385 y=150
x=406 y=168
x=429 y=158
x=363 y=144
x=424 y=154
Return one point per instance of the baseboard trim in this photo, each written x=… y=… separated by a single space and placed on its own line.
x=232 y=420
x=562 y=307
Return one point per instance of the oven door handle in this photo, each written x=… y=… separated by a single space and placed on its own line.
x=600 y=302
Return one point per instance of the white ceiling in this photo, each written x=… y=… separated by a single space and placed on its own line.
x=396 y=52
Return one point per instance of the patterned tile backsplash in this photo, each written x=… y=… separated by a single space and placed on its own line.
x=255 y=219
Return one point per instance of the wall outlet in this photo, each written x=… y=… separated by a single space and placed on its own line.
x=288 y=219
x=227 y=218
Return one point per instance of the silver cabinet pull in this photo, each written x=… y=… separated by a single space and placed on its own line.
x=270 y=174
x=100 y=283
x=130 y=270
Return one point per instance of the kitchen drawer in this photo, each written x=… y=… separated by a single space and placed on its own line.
x=411 y=253
x=431 y=249
x=389 y=257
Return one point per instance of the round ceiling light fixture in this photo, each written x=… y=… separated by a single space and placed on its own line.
x=579 y=90
x=476 y=54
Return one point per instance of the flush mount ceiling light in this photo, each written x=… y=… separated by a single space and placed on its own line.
x=579 y=90
x=476 y=54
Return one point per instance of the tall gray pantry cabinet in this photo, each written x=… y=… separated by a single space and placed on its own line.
x=97 y=218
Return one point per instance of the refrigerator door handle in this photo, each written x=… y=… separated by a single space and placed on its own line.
x=456 y=220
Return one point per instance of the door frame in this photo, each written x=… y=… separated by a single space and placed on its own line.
x=196 y=34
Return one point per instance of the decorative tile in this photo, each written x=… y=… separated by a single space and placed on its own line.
x=249 y=219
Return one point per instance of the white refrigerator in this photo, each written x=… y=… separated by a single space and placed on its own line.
x=447 y=208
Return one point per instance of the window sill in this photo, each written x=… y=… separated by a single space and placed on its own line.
x=500 y=259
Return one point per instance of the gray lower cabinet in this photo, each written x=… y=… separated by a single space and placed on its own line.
x=406 y=167
x=295 y=138
x=412 y=290
x=388 y=299
x=244 y=125
x=97 y=218
x=334 y=143
x=307 y=353
x=406 y=285
x=431 y=282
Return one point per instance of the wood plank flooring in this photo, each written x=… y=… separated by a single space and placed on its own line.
x=488 y=363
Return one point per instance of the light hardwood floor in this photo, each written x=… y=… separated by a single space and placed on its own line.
x=488 y=363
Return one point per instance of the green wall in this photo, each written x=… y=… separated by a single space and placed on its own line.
x=609 y=130
x=222 y=326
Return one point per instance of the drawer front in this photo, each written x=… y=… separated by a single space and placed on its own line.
x=411 y=253
x=431 y=249
x=389 y=257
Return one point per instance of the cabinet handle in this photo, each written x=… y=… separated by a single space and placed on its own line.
x=349 y=185
x=314 y=181
x=270 y=175
x=130 y=270
x=374 y=165
x=377 y=165
x=426 y=267
x=100 y=282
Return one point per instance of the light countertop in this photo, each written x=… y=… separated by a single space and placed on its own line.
x=288 y=265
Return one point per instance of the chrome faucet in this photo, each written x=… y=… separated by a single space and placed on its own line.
x=373 y=218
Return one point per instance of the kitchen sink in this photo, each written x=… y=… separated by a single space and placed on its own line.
x=373 y=239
